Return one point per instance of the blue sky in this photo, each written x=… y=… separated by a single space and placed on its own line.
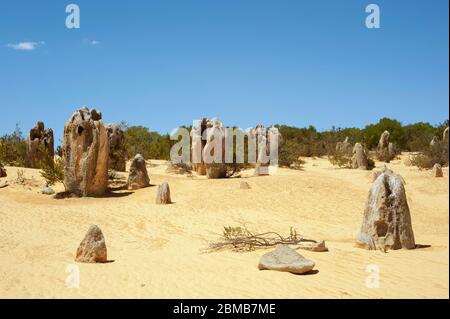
x=165 y=63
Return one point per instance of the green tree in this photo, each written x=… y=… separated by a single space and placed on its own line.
x=151 y=145
x=371 y=133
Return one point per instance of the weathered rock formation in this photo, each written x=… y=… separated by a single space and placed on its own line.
x=387 y=220
x=116 y=138
x=138 y=176
x=284 y=258
x=445 y=136
x=385 y=150
x=383 y=143
x=93 y=247
x=40 y=143
x=263 y=138
x=359 y=158
x=437 y=171
x=86 y=154
x=163 y=194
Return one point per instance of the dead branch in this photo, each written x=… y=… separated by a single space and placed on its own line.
x=242 y=239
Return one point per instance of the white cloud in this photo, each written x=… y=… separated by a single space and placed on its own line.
x=95 y=42
x=25 y=46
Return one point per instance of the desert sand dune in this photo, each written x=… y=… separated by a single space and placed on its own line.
x=156 y=249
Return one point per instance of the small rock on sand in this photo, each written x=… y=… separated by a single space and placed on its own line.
x=311 y=246
x=46 y=190
x=163 y=194
x=284 y=258
x=93 y=247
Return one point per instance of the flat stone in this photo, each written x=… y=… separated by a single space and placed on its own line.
x=284 y=258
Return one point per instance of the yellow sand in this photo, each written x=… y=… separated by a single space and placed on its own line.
x=156 y=250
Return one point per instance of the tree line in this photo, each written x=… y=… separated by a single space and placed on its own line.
x=296 y=142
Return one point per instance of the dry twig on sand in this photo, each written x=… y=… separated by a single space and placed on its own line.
x=241 y=239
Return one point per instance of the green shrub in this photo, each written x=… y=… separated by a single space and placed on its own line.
x=53 y=173
x=431 y=156
x=289 y=152
x=52 y=168
x=151 y=145
x=13 y=148
x=338 y=158
x=370 y=163
x=422 y=161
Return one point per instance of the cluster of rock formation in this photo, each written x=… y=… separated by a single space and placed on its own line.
x=138 y=175
x=263 y=137
x=117 y=160
x=210 y=129
x=86 y=154
x=203 y=145
x=387 y=220
x=357 y=154
x=40 y=143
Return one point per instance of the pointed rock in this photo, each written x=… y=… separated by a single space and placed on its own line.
x=387 y=220
x=138 y=176
x=93 y=247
